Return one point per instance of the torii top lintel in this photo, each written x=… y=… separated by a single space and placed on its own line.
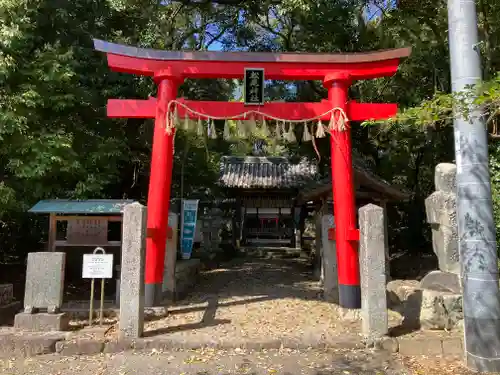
x=279 y=66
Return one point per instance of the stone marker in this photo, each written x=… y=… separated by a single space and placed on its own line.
x=44 y=290
x=441 y=209
x=388 y=278
x=329 y=269
x=317 y=247
x=372 y=272
x=132 y=271
x=44 y=281
x=440 y=310
x=445 y=178
x=171 y=259
x=442 y=282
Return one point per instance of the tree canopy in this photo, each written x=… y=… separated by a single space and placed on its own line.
x=58 y=143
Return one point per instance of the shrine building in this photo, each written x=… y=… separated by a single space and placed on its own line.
x=273 y=196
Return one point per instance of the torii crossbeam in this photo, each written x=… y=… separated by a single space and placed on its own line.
x=170 y=69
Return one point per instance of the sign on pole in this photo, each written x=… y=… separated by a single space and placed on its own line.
x=254 y=86
x=188 y=225
x=97 y=266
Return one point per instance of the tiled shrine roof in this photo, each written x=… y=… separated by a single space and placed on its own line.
x=252 y=172
x=247 y=172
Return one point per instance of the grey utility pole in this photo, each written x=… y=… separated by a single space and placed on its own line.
x=476 y=226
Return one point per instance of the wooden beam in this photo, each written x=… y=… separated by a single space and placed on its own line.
x=52 y=232
x=230 y=65
x=202 y=57
x=67 y=244
x=130 y=108
x=235 y=70
x=79 y=217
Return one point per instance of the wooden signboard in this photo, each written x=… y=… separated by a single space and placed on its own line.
x=84 y=231
x=254 y=86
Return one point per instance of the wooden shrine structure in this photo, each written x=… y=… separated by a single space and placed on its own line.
x=273 y=196
x=169 y=69
x=85 y=223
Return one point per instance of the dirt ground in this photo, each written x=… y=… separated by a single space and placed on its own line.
x=247 y=300
x=238 y=361
x=255 y=300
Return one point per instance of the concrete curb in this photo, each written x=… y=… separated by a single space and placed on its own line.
x=168 y=344
x=415 y=346
x=29 y=345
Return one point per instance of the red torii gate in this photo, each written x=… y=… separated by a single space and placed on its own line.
x=169 y=69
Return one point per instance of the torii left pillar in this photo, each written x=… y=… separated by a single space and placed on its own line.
x=160 y=182
x=346 y=233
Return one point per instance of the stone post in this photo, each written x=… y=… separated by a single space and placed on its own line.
x=297 y=230
x=372 y=272
x=317 y=243
x=383 y=204
x=132 y=271
x=171 y=259
x=329 y=261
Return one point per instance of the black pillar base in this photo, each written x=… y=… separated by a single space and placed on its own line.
x=152 y=295
x=350 y=296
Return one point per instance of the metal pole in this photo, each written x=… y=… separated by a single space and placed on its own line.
x=476 y=228
x=91 y=309
x=101 y=308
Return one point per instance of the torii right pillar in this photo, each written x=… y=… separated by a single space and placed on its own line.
x=346 y=233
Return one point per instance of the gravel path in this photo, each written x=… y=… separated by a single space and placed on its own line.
x=254 y=300
x=245 y=301
x=237 y=362
x=212 y=362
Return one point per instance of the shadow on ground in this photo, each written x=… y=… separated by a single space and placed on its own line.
x=263 y=278
x=240 y=285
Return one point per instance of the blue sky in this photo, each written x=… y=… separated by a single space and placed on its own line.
x=216 y=46
x=372 y=11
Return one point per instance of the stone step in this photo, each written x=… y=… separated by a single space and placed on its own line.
x=271 y=252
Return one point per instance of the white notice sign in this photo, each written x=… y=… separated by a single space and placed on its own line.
x=97 y=266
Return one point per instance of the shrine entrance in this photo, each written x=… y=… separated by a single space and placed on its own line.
x=337 y=72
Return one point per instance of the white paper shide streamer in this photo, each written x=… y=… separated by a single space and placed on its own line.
x=243 y=125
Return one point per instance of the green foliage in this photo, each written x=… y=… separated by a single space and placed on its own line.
x=57 y=142
x=437 y=112
x=495 y=183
